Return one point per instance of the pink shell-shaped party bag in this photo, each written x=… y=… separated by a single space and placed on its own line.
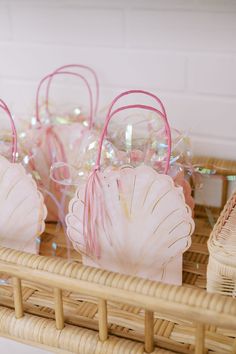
x=22 y=207
x=131 y=220
x=49 y=143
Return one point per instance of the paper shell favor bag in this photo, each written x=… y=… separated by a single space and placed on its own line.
x=131 y=220
x=52 y=140
x=22 y=208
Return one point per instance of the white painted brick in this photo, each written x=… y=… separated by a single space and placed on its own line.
x=29 y=61
x=215 y=5
x=5 y=30
x=199 y=115
x=150 y=69
x=116 y=67
x=200 y=5
x=181 y=30
x=104 y=4
x=220 y=148
x=19 y=96
x=214 y=74
x=67 y=25
x=203 y=5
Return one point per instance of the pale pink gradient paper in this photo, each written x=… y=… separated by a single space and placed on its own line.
x=132 y=220
x=22 y=207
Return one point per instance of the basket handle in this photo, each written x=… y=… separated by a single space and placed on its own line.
x=50 y=76
x=80 y=66
x=5 y=108
x=111 y=113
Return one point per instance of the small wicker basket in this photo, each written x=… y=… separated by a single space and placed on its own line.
x=221 y=271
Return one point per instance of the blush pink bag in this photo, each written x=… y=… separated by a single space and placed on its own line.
x=131 y=220
x=49 y=143
x=22 y=208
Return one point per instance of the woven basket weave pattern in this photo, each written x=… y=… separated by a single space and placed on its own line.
x=65 y=307
x=221 y=272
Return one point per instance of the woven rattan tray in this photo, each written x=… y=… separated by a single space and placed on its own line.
x=104 y=312
x=221 y=271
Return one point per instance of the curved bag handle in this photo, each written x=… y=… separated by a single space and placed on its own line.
x=94 y=200
x=50 y=76
x=143 y=92
x=5 y=108
x=80 y=66
x=140 y=106
x=162 y=113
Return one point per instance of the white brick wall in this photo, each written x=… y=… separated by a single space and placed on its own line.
x=181 y=30
x=213 y=74
x=183 y=50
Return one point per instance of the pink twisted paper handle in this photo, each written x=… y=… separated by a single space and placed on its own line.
x=78 y=66
x=5 y=108
x=162 y=113
x=50 y=76
x=94 y=200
